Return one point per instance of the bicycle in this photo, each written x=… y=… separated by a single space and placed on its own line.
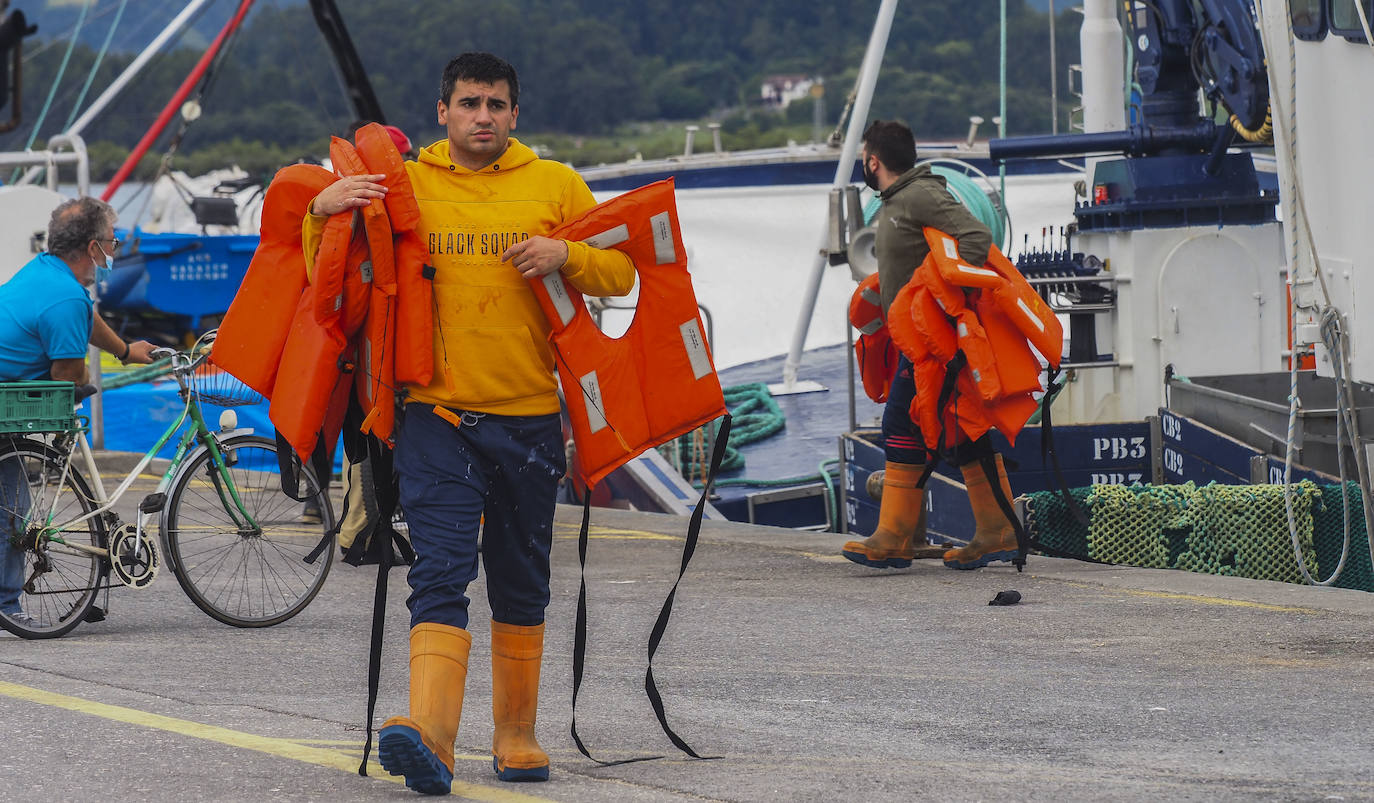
x=233 y=537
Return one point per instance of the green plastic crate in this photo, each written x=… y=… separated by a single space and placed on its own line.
x=37 y=406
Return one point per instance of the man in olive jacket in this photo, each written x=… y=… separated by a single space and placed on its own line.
x=915 y=198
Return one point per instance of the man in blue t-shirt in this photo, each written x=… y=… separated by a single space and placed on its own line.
x=46 y=322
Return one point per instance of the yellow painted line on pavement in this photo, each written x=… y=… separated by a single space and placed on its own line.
x=356 y=749
x=612 y=533
x=282 y=748
x=1231 y=603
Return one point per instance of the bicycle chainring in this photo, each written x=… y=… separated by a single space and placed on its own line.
x=133 y=557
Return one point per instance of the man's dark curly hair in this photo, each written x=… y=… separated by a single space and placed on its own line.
x=892 y=143
x=75 y=223
x=484 y=68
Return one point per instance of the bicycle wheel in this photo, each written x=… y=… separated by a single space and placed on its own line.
x=55 y=583
x=241 y=574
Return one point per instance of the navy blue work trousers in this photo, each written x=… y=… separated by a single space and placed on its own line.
x=902 y=441
x=503 y=468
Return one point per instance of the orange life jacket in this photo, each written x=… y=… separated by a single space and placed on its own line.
x=657 y=381
x=874 y=350
x=254 y=329
x=346 y=319
x=991 y=328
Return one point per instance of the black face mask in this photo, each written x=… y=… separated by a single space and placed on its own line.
x=870 y=178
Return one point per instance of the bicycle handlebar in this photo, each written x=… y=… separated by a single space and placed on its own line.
x=184 y=362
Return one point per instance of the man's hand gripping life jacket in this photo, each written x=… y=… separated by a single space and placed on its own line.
x=978 y=324
x=655 y=382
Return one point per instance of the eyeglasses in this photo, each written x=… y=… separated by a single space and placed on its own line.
x=113 y=241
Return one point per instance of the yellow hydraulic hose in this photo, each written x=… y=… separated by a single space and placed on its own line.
x=1264 y=134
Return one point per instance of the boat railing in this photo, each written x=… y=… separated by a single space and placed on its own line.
x=52 y=157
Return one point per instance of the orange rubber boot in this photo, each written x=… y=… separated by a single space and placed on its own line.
x=516 y=654
x=901 y=521
x=993 y=537
x=420 y=746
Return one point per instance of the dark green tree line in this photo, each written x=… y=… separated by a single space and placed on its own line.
x=588 y=68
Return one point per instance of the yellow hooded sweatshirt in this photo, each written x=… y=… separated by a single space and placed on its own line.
x=491 y=339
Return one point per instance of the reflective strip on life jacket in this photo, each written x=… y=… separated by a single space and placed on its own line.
x=254 y=329
x=655 y=382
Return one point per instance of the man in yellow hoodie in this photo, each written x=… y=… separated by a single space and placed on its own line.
x=484 y=438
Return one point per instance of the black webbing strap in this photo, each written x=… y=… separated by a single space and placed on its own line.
x=932 y=460
x=952 y=369
x=693 y=531
x=580 y=637
x=385 y=545
x=1047 y=447
x=994 y=478
x=354 y=452
x=289 y=467
x=381 y=544
x=660 y=625
x=374 y=656
x=933 y=456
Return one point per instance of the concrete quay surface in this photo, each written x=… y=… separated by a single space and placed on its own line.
x=811 y=678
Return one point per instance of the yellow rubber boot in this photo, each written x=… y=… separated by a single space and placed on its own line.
x=901 y=521
x=993 y=537
x=516 y=655
x=420 y=746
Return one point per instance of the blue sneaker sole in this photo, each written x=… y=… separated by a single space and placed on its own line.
x=864 y=560
x=520 y=774
x=977 y=563
x=401 y=751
